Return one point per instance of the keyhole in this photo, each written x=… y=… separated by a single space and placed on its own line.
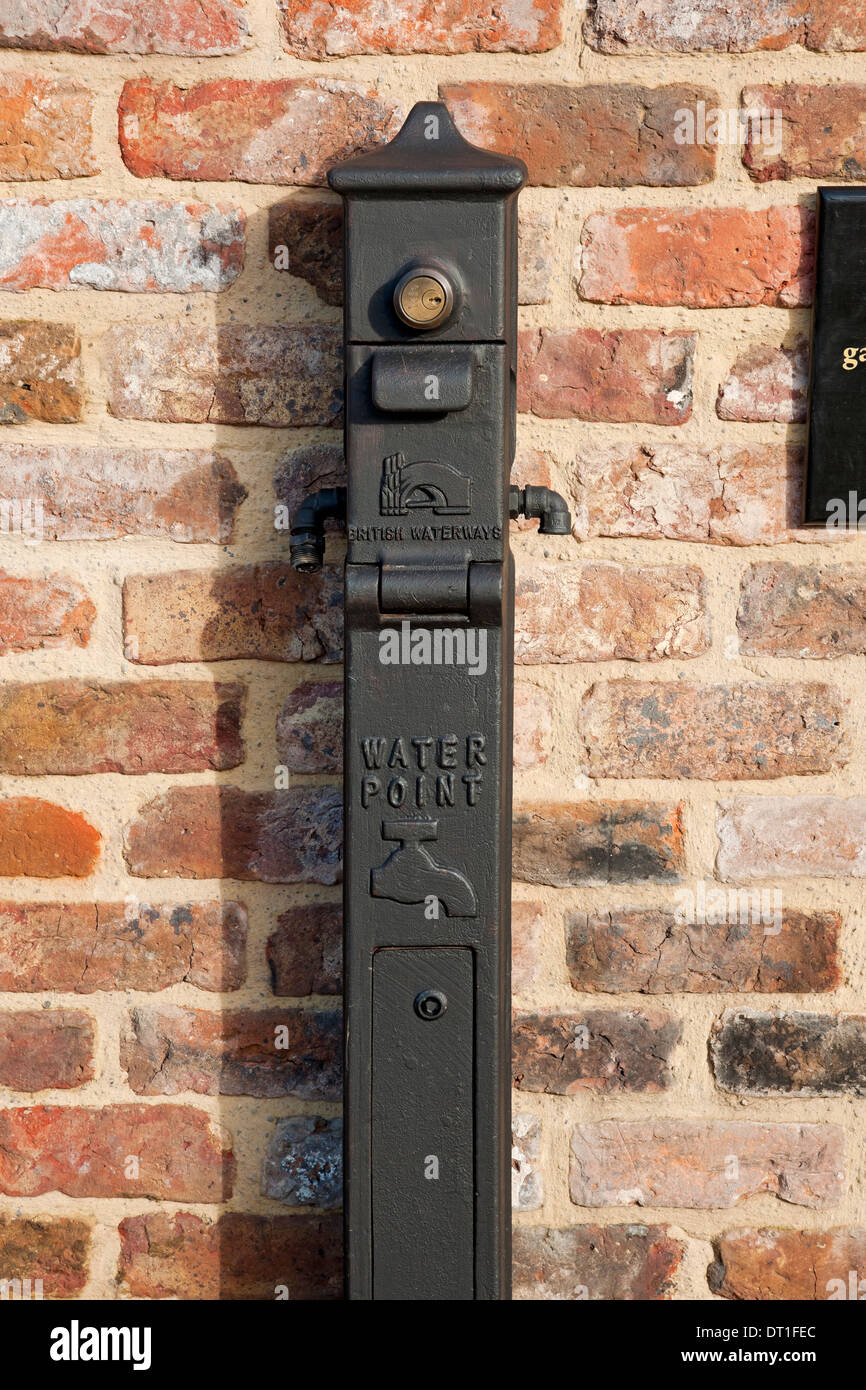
x=423 y=298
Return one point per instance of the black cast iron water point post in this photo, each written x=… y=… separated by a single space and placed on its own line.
x=430 y=369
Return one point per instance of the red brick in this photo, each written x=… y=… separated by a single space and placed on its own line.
x=43 y=1258
x=603 y=1050
x=86 y=1153
x=733 y=495
x=42 y=840
x=527 y=1188
x=227 y=832
x=305 y=951
x=270 y=612
x=305 y=238
x=341 y=28
x=285 y=131
x=615 y=135
x=789 y=1054
x=821 y=130
x=70 y=727
x=705 y=1163
x=310 y=728
x=835 y=26
x=533 y=726
x=46 y=128
x=99 y=492
x=704 y=258
x=597 y=842
x=84 y=947
x=596 y=612
x=793 y=1265
x=537 y=255
x=115 y=244
x=41 y=1050
x=681 y=26
x=197 y=28
x=37 y=613
x=619 y=375
x=767 y=383
x=785 y=837
x=40 y=375
x=305 y=470
x=677 y=728
x=620 y=1263
x=278 y=1052
x=803 y=611
x=717 y=945
x=238 y=1257
x=536 y=466
x=527 y=946
x=231 y=374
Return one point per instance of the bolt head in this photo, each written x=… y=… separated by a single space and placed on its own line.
x=430 y=1004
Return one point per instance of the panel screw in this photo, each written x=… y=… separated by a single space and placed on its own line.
x=430 y=1004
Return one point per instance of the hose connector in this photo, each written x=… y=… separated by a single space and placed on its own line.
x=543 y=503
x=307 y=535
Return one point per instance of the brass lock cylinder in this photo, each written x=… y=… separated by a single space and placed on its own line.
x=423 y=298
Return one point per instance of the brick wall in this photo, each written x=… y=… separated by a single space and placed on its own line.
x=690 y=700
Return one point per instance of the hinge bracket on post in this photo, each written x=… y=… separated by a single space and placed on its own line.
x=471 y=594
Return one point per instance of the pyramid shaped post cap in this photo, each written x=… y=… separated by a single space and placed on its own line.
x=428 y=156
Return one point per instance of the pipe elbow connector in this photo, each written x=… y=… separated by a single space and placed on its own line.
x=542 y=502
x=307 y=534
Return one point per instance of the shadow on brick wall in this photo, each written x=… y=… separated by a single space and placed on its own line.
x=277 y=407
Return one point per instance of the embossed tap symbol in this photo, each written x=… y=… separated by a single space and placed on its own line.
x=411 y=875
x=424 y=484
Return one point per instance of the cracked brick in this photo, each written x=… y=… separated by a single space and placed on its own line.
x=613 y=135
x=604 y=1050
x=99 y=492
x=747 y=729
x=702 y=1164
x=270 y=612
x=286 y=131
x=82 y=948
x=84 y=1152
x=623 y=1263
x=790 y=1054
x=703 y=258
x=47 y=612
x=227 y=832
x=231 y=374
x=618 y=375
x=239 y=1256
x=167 y=1050
x=73 y=727
x=43 y=1050
x=604 y=612
x=739 y=945
x=732 y=495
x=598 y=842
x=770 y=1264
